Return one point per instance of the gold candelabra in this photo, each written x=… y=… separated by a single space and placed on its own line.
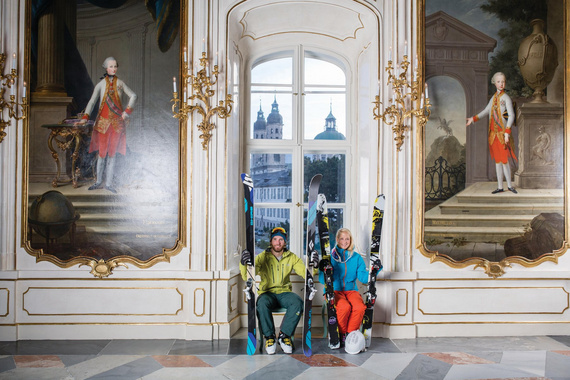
x=9 y=81
x=404 y=104
x=202 y=88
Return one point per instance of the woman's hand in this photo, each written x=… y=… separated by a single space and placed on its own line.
x=506 y=138
x=469 y=121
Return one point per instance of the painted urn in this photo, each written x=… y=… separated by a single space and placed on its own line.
x=537 y=59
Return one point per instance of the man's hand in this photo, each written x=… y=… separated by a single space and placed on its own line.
x=246 y=257
x=506 y=138
x=314 y=260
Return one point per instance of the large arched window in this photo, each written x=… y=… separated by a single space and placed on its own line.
x=297 y=127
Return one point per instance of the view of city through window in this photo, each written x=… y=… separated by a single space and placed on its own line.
x=314 y=143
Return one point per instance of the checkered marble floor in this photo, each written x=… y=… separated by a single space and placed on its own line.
x=539 y=357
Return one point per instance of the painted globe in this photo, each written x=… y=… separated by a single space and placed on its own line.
x=52 y=214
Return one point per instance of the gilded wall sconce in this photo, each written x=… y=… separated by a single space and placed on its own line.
x=404 y=102
x=9 y=81
x=202 y=89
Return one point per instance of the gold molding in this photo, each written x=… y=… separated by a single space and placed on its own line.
x=491 y=268
x=398 y=304
x=7 y=302
x=231 y=310
x=496 y=288
x=101 y=268
x=100 y=288
x=203 y=304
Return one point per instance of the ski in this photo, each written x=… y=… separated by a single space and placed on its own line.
x=327 y=269
x=377 y=216
x=250 y=245
x=309 y=289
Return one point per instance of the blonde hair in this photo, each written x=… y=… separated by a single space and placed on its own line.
x=494 y=78
x=346 y=231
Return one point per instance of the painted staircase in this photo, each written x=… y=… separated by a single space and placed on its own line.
x=479 y=216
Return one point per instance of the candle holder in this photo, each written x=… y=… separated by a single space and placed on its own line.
x=202 y=89
x=408 y=100
x=11 y=106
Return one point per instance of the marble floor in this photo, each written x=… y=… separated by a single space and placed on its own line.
x=537 y=357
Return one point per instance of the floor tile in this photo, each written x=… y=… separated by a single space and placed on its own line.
x=60 y=347
x=99 y=364
x=138 y=347
x=243 y=365
x=38 y=361
x=180 y=361
x=424 y=368
x=7 y=363
x=564 y=339
x=37 y=374
x=457 y=358
x=557 y=366
x=338 y=373
x=530 y=361
x=186 y=374
x=283 y=369
x=201 y=347
x=487 y=371
x=70 y=360
x=130 y=371
x=216 y=360
x=382 y=345
x=388 y=365
x=322 y=360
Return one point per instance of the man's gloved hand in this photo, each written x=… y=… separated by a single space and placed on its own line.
x=246 y=257
x=314 y=260
x=377 y=265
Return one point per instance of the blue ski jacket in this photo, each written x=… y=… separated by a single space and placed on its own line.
x=347 y=267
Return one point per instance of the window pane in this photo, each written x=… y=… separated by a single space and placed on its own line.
x=325 y=117
x=271 y=115
x=271 y=174
x=322 y=72
x=332 y=167
x=274 y=71
x=265 y=220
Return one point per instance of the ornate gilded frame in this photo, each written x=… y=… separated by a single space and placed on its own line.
x=102 y=267
x=493 y=269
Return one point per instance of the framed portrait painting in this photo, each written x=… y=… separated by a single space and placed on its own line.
x=103 y=151
x=493 y=151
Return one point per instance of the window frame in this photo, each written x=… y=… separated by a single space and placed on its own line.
x=298 y=146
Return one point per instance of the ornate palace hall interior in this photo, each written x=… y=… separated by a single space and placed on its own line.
x=126 y=127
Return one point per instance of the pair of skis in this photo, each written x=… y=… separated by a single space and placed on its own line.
x=377 y=218
x=317 y=213
x=327 y=269
x=309 y=288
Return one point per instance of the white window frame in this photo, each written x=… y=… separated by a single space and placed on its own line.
x=297 y=146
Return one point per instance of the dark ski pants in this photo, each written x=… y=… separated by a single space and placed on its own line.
x=267 y=302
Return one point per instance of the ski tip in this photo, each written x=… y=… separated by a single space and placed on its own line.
x=308 y=353
x=380 y=201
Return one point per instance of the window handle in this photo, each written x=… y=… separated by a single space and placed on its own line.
x=299 y=204
x=295 y=93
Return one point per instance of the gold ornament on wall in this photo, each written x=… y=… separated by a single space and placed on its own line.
x=409 y=99
x=203 y=86
x=9 y=81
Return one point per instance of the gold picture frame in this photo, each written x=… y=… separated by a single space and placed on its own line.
x=443 y=36
x=137 y=215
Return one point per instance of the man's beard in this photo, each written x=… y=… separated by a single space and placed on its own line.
x=278 y=251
